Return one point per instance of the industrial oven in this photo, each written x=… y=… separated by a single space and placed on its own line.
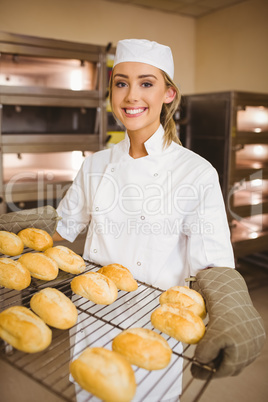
x=52 y=114
x=230 y=129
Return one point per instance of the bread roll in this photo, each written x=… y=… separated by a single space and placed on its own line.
x=95 y=287
x=143 y=348
x=181 y=324
x=40 y=266
x=66 y=259
x=22 y=329
x=10 y=243
x=13 y=275
x=105 y=374
x=184 y=297
x=56 y=309
x=37 y=239
x=121 y=276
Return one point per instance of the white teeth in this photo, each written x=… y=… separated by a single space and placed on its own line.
x=134 y=111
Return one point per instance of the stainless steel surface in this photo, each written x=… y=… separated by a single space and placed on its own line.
x=99 y=324
x=37 y=77
x=56 y=143
x=19 y=95
x=230 y=130
x=42 y=47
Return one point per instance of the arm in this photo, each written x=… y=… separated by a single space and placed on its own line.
x=235 y=333
x=74 y=208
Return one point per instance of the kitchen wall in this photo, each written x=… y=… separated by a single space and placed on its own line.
x=101 y=22
x=226 y=50
x=231 y=49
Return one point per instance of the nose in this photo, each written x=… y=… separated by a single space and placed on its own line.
x=132 y=94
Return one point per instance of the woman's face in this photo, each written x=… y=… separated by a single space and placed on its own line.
x=138 y=93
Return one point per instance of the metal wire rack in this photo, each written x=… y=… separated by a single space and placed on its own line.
x=97 y=326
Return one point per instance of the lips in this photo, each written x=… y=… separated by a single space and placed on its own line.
x=134 y=111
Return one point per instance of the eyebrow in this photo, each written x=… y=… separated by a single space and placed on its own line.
x=140 y=76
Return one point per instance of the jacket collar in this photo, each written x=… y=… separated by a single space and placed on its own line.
x=154 y=145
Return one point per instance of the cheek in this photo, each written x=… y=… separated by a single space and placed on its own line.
x=116 y=106
x=114 y=103
x=158 y=100
x=116 y=99
x=158 y=96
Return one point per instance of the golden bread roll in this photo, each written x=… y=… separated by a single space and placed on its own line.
x=56 y=309
x=105 y=374
x=184 y=297
x=13 y=275
x=66 y=259
x=95 y=287
x=22 y=329
x=143 y=348
x=37 y=239
x=40 y=266
x=10 y=243
x=181 y=324
x=121 y=276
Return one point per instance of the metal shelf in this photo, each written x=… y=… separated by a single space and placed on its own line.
x=36 y=78
x=31 y=143
x=98 y=324
x=224 y=127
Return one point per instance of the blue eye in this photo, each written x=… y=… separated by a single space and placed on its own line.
x=120 y=84
x=147 y=84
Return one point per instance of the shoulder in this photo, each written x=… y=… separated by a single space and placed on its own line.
x=97 y=160
x=189 y=157
x=193 y=165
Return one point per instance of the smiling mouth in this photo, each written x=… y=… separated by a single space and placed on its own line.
x=135 y=111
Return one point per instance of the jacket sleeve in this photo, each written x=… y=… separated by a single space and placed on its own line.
x=75 y=208
x=209 y=240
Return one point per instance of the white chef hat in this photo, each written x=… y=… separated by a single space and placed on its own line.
x=145 y=51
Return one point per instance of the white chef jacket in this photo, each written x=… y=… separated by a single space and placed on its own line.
x=162 y=215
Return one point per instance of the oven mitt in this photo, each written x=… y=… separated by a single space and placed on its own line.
x=235 y=333
x=45 y=218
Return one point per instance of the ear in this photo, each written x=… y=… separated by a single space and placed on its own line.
x=170 y=95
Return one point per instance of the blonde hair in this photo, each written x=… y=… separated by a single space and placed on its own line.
x=167 y=112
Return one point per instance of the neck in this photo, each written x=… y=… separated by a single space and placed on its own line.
x=137 y=148
x=137 y=139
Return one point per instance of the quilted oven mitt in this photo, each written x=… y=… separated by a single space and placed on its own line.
x=45 y=218
x=235 y=332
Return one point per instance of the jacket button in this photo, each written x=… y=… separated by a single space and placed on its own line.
x=156 y=174
x=142 y=218
x=139 y=263
x=97 y=208
x=95 y=250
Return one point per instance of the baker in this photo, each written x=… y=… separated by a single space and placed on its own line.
x=168 y=209
x=165 y=200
